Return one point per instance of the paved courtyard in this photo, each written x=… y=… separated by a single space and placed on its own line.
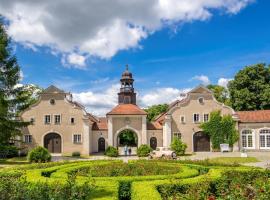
x=263 y=157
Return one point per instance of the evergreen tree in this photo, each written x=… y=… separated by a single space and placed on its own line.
x=155 y=110
x=10 y=94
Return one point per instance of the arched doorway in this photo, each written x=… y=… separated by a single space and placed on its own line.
x=127 y=137
x=201 y=142
x=52 y=142
x=101 y=145
x=153 y=143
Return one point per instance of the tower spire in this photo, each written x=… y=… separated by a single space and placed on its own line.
x=127 y=67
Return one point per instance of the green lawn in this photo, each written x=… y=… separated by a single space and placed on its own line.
x=14 y=161
x=231 y=160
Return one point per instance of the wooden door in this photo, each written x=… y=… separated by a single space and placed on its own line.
x=153 y=143
x=201 y=142
x=52 y=142
x=101 y=145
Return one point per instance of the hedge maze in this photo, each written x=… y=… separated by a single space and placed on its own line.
x=137 y=180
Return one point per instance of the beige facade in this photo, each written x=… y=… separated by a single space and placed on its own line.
x=63 y=126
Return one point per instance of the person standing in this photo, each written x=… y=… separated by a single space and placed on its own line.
x=125 y=150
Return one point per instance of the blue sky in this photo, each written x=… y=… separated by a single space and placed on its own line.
x=171 y=57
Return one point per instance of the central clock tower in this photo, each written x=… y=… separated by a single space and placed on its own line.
x=127 y=94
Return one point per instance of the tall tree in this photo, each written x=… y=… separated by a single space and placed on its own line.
x=220 y=93
x=250 y=89
x=155 y=110
x=10 y=125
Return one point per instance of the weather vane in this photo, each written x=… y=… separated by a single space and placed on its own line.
x=127 y=67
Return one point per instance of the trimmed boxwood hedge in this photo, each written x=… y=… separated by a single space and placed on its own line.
x=119 y=187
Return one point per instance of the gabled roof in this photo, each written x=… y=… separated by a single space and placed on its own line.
x=254 y=116
x=154 y=126
x=127 y=109
x=200 y=89
x=53 y=89
x=101 y=124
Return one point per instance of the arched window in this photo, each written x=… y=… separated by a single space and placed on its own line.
x=247 y=138
x=265 y=139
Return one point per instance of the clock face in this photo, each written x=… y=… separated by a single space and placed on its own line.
x=127 y=120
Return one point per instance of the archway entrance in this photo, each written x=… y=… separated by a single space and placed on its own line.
x=201 y=142
x=101 y=145
x=127 y=138
x=52 y=142
x=153 y=143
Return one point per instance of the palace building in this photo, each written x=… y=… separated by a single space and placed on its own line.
x=63 y=126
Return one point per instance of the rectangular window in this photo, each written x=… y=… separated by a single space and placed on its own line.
x=262 y=141
x=196 y=118
x=47 y=119
x=57 y=119
x=72 y=120
x=206 y=117
x=250 y=141
x=77 y=138
x=182 y=119
x=28 y=139
x=177 y=135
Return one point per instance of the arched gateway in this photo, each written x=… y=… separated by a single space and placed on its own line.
x=127 y=138
x=201 y=142
x=52 y=141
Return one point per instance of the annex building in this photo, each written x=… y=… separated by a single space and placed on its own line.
x=63 y=126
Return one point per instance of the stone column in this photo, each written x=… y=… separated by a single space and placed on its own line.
x=144 y=130
x=86 y=137
x=110 y=131
x=167 y=131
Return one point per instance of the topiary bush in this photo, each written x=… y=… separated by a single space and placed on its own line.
x=76 y=154
x=111 y=152
x=144 y=150
x=39 y=154
x=178 y=146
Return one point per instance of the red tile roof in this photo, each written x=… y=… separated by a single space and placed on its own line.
x=127 y=109
x=154 y=126
x=254 y=116
x=101 y=124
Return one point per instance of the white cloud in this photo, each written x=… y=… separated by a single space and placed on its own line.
x=223 y=81
x=75 y=60
x=98 y=102
x=104 y=27
x=160 y=96
x=204 y=79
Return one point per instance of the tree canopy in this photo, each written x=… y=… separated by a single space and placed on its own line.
x=250 y=89
x=10 y=94
x=155 y=110
x=220 y=93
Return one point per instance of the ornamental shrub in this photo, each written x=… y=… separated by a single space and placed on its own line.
x=11 y=151
x=111 y=151
x=76 y=154
x=178 y=146
x=144 y=150
x=40 y=155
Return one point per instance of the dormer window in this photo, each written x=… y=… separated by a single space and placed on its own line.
x=52 y=101
x=201 y=100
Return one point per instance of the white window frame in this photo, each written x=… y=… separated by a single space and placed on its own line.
x=73 y=138
x=265 y=137
x=196 y=122
x=27 y=141
x=204 y=117
x=182 y=116
x=253 y=138
x=54 y=121
x=45 y=119
x=177 y=134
